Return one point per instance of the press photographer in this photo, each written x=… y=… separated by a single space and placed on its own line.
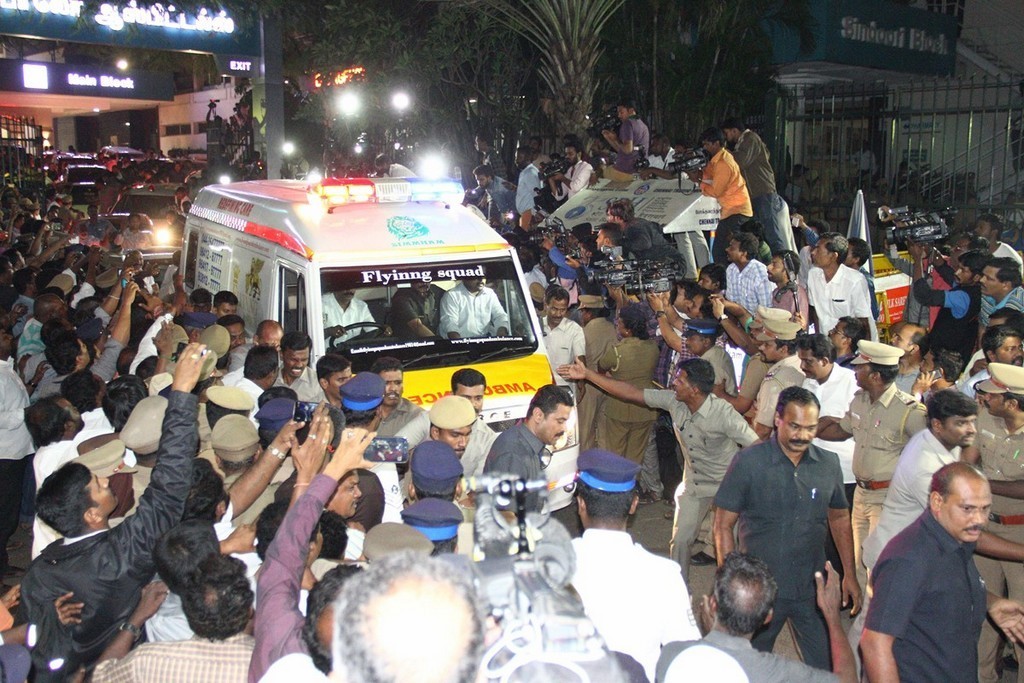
x=631 y=137
x=641 y=238
x=572 y=174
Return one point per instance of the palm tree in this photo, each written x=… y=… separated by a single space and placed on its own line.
x=567 y=34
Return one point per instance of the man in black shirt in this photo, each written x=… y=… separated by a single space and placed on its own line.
x=928 y=600
x=783 y=492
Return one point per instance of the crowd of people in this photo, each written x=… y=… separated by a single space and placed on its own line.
x=204 y=504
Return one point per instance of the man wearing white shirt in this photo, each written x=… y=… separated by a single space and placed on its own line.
x=529 y=182
x=990 y=227
x=17 y=443
x=258 y=374
x=53 y=423
x=606 y=556
x=834 y=386
x=563 y=338
x=577 y=177
x=835 y=290
x=471 y=310
x=342 y=312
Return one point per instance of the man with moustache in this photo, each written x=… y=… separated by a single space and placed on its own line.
x=928 y=599
x=396 y=411
x=881 y=420
x=782 y=493
x=522 y=450
x=1000 y=344
x=295 y=370
x=997 y=452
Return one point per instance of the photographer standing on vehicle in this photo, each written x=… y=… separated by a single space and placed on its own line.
x=501 y=200
x=577 y=177
x=633 y=136
x=723 y=180
x=529 y=183
x=770 y=209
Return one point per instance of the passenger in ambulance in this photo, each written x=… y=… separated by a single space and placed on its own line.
x=469 y=309
x=342 y=313
x=416 y=311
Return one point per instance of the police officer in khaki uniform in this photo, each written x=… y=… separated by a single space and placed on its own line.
x=881 y=420
x=1000 y=447
x=236 y=445
x=740 y=331
x=778 y=348
x=632 y=360
x=600 y=336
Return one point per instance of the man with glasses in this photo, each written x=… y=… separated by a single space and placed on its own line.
x=847 y=333
x=708 y=429
x=1000 y=345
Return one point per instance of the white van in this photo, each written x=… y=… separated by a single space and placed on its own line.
x=288 y=250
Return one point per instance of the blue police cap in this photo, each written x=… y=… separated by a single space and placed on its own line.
x=435 y=466
x=275 y=414
x=90 y=330
x=198 y=319
x=605 y=471
x=436 y=519
x=365 y=391
x=703 y=326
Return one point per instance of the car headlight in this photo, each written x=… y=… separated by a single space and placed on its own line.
x=162 y=235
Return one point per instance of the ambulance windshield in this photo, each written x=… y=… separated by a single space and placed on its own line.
x=442 y=313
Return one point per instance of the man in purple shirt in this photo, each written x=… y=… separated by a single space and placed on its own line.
x=633 y=136
x=279 y=624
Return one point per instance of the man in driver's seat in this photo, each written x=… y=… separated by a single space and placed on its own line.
x=415 y=311
x=342 y=313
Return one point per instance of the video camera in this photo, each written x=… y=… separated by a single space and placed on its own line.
x=693 y=161
x=603 y=121
x=523 y=577
x=638 y=276
x=553 y=229
x=558 y=164
x=915 y=226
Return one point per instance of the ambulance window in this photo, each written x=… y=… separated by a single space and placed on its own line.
x=191 y=258
x=293 y=301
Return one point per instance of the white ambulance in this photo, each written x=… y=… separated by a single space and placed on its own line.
x=342 y=252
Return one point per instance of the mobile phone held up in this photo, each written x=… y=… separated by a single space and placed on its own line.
x=388 y=449
x=304 y=411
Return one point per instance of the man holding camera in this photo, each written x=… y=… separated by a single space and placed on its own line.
x=722 y=179
x=632 y=137
x=576 y=177
x=529 y=183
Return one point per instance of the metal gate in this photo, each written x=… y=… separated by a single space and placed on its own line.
x=930 y=145
x=21 y=144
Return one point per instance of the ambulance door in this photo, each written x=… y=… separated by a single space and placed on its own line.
x=292 y=306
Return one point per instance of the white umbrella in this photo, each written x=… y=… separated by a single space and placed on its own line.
x=859 y=227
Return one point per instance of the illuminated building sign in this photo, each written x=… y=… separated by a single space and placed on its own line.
x=74 y=79
x=356 y=73
x=155 y=26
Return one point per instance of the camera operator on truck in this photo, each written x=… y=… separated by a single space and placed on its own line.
x=501 y=201
x=721 y=179
x=633 y=136
x=641 y=238
x=577 y=177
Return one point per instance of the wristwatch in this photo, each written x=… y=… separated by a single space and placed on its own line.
x=131 y=628
x=660 y=314
x=723 y=317
x=278 y=453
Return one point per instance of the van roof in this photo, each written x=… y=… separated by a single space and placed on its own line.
x=283 y=212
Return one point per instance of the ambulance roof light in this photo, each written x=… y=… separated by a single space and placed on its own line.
x=337 y=191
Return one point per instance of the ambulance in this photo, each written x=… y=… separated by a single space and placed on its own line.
x=293 y=251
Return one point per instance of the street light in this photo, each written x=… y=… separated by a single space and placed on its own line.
x=400 y=101
x=358 y=149
x=288 y=149
x=122 y=64
x=348 y=103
